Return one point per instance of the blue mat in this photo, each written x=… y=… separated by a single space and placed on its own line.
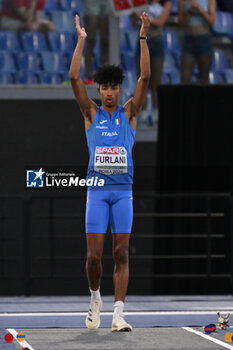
x=137 y=321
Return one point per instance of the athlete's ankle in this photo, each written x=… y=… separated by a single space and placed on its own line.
x=95 y=295
x=118 y=308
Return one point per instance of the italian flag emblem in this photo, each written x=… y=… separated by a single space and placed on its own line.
x=117 y=121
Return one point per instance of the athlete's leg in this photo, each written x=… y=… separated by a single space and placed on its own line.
x=121 y=269
x=121 y=217
x=95 y=244
x=97 y=217
x=120 y=278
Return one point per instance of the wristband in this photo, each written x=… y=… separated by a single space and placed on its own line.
x=143 y=37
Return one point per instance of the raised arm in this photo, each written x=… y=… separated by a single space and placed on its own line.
x=87 y=106
x=133 y=106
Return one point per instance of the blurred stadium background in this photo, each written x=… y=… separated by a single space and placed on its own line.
x=31 y=58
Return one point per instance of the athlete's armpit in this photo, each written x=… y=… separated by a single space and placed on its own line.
x=86 y=114
x=131 y=113
x=130 y=109
x=134 y=113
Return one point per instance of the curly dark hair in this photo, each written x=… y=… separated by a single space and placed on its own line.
x=109 y=74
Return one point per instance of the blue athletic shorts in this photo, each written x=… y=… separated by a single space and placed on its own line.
x=109 y=206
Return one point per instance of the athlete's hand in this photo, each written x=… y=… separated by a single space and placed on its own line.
x=145 y=24
x=81 y=31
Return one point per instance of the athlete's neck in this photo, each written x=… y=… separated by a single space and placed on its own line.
x=109 y=110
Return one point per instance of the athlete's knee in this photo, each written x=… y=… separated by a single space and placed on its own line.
x=93 y=259
x=120 y=254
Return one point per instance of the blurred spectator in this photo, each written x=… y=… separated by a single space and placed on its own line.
x=96 y=14
x=23 y=15
x=196 y=16
x=225 y=5
x=159 y=12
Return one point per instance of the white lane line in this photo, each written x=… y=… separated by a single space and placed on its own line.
x=217 y=308
x=24 y=343
x=129 y=313
x=216 y=341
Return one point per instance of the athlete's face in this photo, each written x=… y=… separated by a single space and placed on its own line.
x=109 y=94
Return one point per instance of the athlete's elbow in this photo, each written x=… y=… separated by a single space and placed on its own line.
x=73 y=75
x=146 y=76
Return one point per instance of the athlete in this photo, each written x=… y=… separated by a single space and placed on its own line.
x=110 y=132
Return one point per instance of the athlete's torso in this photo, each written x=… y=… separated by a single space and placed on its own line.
x=110 y=142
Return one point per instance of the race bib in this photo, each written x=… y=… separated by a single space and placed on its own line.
x=110 y=160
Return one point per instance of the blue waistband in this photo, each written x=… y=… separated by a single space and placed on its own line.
x=115 y=187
